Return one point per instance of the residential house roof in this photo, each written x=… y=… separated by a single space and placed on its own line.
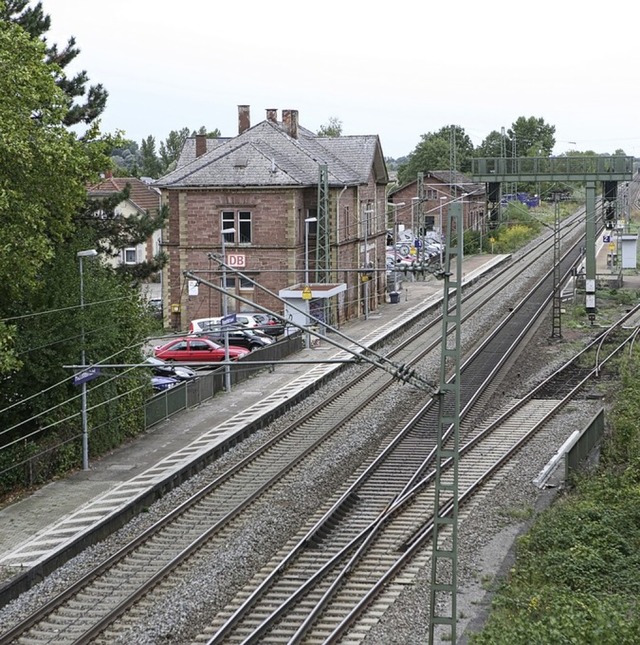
x=142 y=196
x=266 y=155
x=188 y=152
x=461 y=182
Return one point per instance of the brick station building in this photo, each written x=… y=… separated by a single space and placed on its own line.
x=264 y=186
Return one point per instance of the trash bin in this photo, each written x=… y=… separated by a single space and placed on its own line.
x=394 y=297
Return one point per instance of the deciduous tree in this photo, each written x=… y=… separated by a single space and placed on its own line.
x=42 y=166
x=333 y=128
x=434 y=153
x=531 y=136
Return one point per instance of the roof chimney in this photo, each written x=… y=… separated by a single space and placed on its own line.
x=272 y=115
x=201 y=144
x=290 y=122
x=244 y=122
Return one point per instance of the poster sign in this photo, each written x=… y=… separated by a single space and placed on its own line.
x=86 y=375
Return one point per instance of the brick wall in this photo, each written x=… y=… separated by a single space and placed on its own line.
x=275 y=257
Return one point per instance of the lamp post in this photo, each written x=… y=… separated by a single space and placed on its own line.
x=366 y=263
x=89 y=253
x=442 y=198
x=414 y=206
x=307 y=222
x=395 y=243
x=462 y=219
x=227 y=370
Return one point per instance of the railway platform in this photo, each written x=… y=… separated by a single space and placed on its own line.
x=41 y=529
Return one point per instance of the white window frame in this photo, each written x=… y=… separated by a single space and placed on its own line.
x=128 y=250
x=242 y=222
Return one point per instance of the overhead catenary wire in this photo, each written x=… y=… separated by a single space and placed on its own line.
x=402 y=372
x=58 y=384
x=60 y=309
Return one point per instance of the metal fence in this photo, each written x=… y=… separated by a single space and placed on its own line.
x=579 y=452
x=191 y=393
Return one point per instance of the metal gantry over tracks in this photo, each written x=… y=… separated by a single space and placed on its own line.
x=586 y=169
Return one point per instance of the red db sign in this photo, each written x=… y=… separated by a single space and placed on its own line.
x=236 y=260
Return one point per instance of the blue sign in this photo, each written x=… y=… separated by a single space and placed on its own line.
x=228 y=320
x=606 y=238
x=86 y=375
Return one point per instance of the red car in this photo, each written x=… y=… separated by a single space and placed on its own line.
x=197 y=350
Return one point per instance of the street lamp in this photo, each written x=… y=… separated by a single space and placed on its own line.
x=89 y=253
x=442 y=198
x=414 y=205
x=227 y=370
x=395 y=242
x=365 y=276
x=307 y=222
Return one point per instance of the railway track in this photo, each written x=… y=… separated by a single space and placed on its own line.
x=319 y=598
x=201 y=525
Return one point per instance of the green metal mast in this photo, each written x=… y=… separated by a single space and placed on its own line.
x=444 y=559
x=556 y=326
x=323 y=244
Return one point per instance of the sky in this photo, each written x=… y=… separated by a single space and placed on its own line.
x=398 y=69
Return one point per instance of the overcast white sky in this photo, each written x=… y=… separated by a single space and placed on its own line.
x=397 y=69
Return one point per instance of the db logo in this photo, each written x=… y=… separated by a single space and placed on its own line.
x=236 y=260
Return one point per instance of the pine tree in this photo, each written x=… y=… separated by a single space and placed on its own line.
x=150 y=165
x=37 y=24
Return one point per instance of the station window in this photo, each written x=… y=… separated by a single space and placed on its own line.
x=240 y=222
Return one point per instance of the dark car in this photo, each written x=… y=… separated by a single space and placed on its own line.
x=161 y=383
x=249 y=338
x=163 y=369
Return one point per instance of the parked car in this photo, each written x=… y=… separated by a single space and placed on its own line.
x=212 y=324
x=269 y=324
x=399 y=262
x=168 y=370
x=197 y=350
x=247 y=338
x=161 y=383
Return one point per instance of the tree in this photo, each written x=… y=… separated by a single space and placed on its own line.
x=36 y=24
x=109 y=233
x=38 y=193
x=40 y=398
x=150 y=165
x=434 y=153
x=492 y=145
x=44 y=171
x=532 y=137
x=211 y=134
x=127 y=158
x=170 y=148
x=333 y=128
x=132 y=160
